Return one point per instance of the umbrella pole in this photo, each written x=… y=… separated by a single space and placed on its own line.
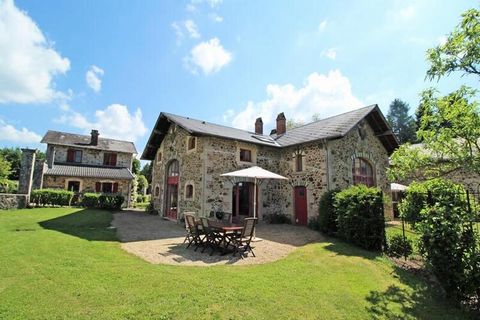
x=254 y=203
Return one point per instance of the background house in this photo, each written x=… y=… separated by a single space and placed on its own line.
x=84 y=163
x=189 y=155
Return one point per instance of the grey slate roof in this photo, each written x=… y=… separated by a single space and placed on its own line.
x=89 y=172
x=212 y=129
x=83 y=141
x=328 y=128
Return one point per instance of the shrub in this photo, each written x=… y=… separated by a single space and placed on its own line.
x=448 y=242
x=399 y=247
x=278 y=218
x=313 y=223
x=360 y=217
x=9 y=186
x=53 y=197
x=110 y=201
x=103 y=200
x=90 y=200
x=141 y=198
x=327 y=218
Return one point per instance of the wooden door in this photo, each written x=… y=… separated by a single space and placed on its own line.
x=300 y=195
x=171 y=202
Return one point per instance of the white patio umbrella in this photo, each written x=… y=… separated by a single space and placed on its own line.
x=397 y=187
x=255 y=173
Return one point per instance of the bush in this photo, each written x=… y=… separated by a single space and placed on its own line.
x=448 y=242
x=399 y=247
x=110 y=201
x=90 y=200
x=141 y=198
x=313 y=223
x=278 y=218
x=9 y=186
x=53 y=197
x=327 y=217
x=360 y=217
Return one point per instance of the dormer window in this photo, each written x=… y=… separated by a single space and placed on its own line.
x=74 y=156
x=245 y=155
x=110 y=159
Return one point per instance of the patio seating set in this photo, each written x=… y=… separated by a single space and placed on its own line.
x=220 y=235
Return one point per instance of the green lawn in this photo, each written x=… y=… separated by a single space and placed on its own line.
x=66 y=263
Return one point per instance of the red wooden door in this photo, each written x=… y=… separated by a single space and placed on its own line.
x=301 y=206
x=172 y=197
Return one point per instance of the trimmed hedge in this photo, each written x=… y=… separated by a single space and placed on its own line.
x=103 y=200
x=360 y=217
x=53 y=197
x=327 y=217
x=399 y=247
x=90 y=200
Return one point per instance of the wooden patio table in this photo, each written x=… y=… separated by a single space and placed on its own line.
x=228 y=232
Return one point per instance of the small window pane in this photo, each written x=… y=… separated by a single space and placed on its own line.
x=362 y=172
x=245 y=155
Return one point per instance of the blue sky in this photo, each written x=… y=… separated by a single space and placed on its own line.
x=115 y=65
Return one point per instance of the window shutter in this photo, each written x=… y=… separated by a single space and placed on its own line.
x=115 y=187
x=70 y=155
x=113 y=160
x=98 y=186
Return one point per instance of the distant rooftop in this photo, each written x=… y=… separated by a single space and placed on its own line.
x=83 y=141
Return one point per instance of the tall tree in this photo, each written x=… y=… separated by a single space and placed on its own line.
x=14 y=157
x=4 y=169
x=147 y=172
x=136 y=164
x=449 y=126
x=403 y=124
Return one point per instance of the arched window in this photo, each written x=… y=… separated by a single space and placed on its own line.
x=157 y=191
x=362 y=172
x=191 y=143
x=173 y=168
x=189 y=191
x=299 y=162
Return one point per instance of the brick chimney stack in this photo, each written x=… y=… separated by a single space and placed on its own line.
x=259 y=126
x=94 y=140
x=281 y=124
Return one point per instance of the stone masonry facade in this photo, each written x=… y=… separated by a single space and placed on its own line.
x=327 y=164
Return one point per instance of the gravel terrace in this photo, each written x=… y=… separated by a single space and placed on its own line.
x=159 y=241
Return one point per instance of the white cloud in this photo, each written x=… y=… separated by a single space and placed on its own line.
x=322 y=26
x=407 y=12
x=192 y=29
x=215 y=17
x=211 y=3
x=330 y=53
x=325 y=95
x=28 y=61
x=185 y=27
x=10 y=133
x=115 y=121
x=209 y=56
x=93 y=78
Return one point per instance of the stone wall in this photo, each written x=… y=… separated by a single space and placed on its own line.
x=86 y=184
x=326 y=165
x=12 y=201
x=92 y=156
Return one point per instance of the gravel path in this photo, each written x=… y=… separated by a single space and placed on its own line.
x=160 y=241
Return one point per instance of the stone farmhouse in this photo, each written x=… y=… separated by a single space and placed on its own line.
x=188 y=156
x=83 y=163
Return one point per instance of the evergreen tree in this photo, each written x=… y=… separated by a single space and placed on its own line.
x=403 y=125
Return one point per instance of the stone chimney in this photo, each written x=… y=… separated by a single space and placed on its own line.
x=281 y=124
x=259 y=126
x=94 y=139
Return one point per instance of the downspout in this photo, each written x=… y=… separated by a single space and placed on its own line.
x=328 y=163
